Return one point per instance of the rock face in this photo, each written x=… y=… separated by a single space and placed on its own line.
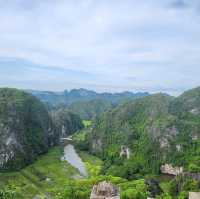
x=105 y=190
x=122 y=121
x=156 y=126
x=66 y=122
x=125 y=152
x=26 y=130
x=170 y=170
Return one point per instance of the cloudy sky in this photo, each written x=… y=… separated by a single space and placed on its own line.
x=105 y=45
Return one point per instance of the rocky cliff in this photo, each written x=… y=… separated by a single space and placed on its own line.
x=66 y=122
x=157 y=129
x=26 y=129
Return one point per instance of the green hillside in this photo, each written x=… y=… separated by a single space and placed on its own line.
x=126 y=145
x=26 y=129
x=66 y=122
x=91 y=109
x=155 y=130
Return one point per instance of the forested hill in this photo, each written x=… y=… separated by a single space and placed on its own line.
x=89 y=110
x=28 y=130
x=83 y=95
x=156 y=129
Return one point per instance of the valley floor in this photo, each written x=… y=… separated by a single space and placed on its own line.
x=42 y=178
x=51 y=178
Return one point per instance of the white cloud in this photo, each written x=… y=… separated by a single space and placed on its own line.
x=150 y=40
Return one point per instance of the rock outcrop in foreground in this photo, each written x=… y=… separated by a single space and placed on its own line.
x=105 y=190
x=194 y=195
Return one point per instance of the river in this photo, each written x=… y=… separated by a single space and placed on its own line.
x=71 y=156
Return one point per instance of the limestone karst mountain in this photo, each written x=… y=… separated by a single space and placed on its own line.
x=158 y=129
x=66 y=122
x=89 y=110
x=127 y=146
x=83 y=95
x=26 y=129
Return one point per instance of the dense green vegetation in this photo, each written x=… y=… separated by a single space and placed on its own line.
x=156 y=129
x=66 y=122
x=87 y=123
x=49 y=176
x=43 y=176
x=26 y=129
x=90 y=110
x=81 y=189
x=130 y=125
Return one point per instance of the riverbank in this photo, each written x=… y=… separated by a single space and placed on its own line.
x=47 y=175
x=72 y=157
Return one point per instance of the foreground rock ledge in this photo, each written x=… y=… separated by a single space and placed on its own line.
x=194 y=195
x=105 y=190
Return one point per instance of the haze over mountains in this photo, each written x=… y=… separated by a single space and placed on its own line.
x=83 y=95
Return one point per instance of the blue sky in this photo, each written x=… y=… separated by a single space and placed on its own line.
x=115 y=45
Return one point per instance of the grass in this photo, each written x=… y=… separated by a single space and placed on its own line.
x=40 y=178
x=51 y=178
x=87 y=123
x=80 y=136
x=92 y=163
x=47 y=176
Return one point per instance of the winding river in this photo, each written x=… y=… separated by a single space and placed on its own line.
x=71 y=156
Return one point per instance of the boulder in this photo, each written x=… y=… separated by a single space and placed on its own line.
x=105 y=190
x=170 y=170
x=194 y=195
x=125 y=152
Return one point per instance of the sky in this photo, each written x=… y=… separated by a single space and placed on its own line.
x=103 y=45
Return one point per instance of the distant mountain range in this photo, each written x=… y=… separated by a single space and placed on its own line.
x=83 y=95
x=137 y=141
